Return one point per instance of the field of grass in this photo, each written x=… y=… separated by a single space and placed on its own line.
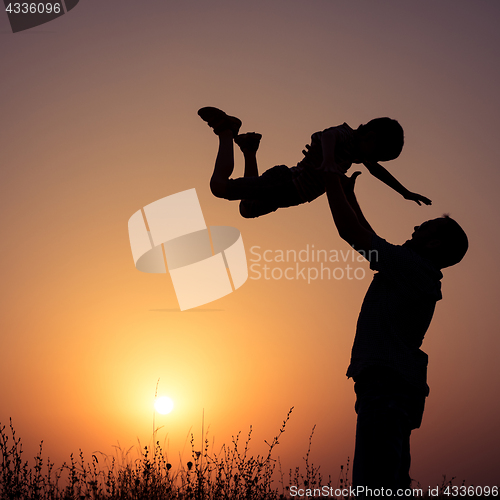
x=232 y=474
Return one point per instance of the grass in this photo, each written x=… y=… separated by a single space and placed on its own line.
x=231 y=474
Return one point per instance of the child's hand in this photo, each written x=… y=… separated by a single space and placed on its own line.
x=417 y=198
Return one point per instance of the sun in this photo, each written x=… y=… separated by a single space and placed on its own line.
x=164 y=405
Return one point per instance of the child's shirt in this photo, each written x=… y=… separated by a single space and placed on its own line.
x=307 y=175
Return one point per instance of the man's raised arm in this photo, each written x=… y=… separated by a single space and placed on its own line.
x=350 y=221
x=348 y=187
x=351 y=224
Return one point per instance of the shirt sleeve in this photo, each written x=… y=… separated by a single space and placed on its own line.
x=343 y=146
x=389 y=258
x=404 y=265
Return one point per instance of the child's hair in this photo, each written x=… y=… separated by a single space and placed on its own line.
x=454 y=242
x=389 y=137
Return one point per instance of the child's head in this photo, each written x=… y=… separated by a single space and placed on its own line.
x=380 y=139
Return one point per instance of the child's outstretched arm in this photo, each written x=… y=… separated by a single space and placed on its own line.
x=383 y=175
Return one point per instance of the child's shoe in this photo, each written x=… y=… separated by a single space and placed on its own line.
x=248 y=142
x=220 y=121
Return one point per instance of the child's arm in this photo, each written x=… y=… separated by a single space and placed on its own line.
x=383 y=175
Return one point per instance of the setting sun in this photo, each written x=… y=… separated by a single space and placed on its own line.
x=164 y=405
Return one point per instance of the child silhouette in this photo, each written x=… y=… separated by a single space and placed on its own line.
x=380 y=139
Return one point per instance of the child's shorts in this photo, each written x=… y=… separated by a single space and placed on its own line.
x=266 y=193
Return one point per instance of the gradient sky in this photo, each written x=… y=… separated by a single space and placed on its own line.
x=98 y=118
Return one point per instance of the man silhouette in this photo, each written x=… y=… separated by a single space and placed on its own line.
x=387 y=365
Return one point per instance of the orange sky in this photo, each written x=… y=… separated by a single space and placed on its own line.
x=98 y=118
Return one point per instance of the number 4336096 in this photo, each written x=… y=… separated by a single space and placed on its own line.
x=33 y=8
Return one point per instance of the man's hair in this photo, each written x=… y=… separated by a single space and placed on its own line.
x=389 y=137
x=454 y=243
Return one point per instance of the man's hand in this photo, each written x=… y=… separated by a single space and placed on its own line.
x=348 y=183
x=417 y=198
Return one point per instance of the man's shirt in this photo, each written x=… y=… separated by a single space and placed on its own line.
x=396 y=313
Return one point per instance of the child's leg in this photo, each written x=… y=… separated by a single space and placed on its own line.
x=224 y=164
x=251 y=169
x=226 y=128
x=261 y=194
x=249 y=144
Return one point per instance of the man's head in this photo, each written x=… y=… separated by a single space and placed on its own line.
x=442 y=241
x=380 y=139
